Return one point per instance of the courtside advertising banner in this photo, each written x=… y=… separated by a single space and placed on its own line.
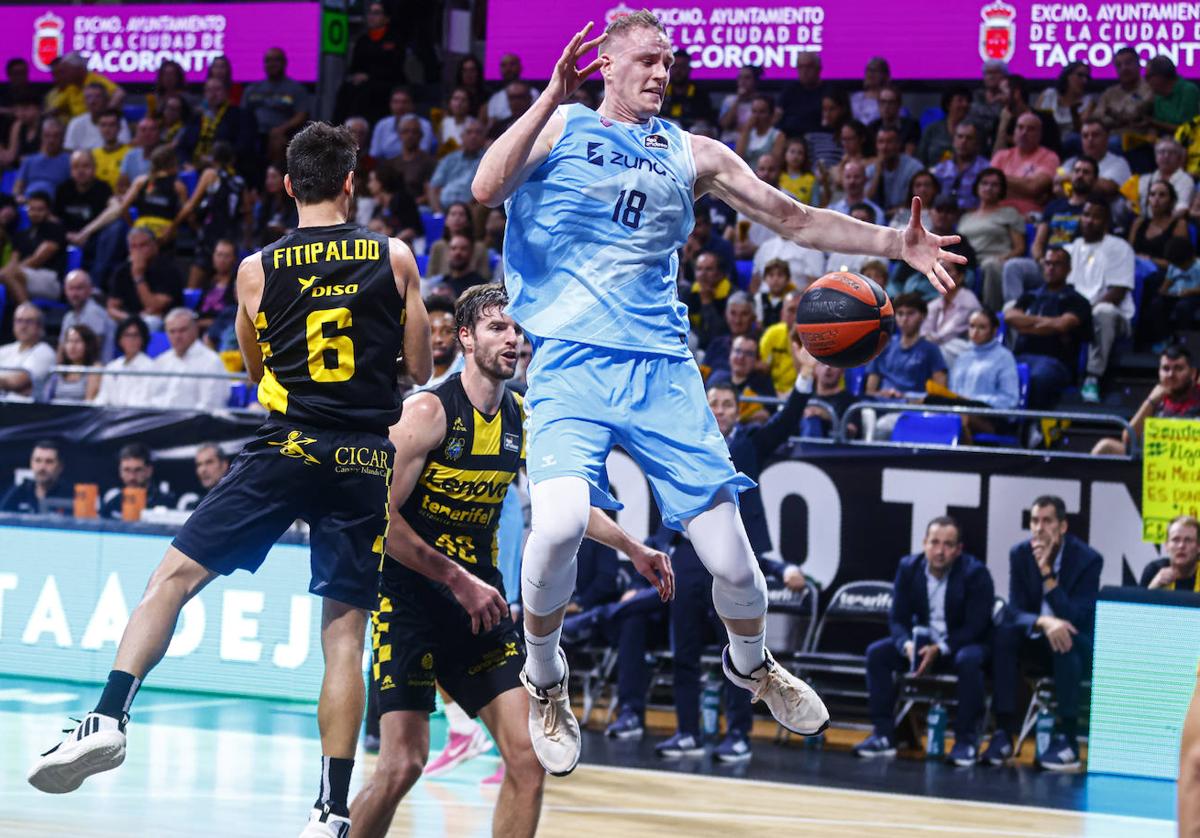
x=920 y=40
x=128 y=43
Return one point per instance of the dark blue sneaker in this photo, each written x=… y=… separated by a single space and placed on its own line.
x=627 y=726
x=1060 y=755
x=678 y=746
x=733 y=748
x=964 y=753
x=876 y=746
x=999 y=749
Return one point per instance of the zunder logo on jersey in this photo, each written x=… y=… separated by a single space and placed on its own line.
x=594 y=155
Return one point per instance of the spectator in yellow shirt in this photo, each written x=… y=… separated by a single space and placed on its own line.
x=108 y=157
x=71 y=76
x=774 y=347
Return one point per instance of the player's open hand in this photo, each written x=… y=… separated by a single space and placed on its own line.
x=655 y=567
x=922 y=250
x=481 y=601
x=567 y=75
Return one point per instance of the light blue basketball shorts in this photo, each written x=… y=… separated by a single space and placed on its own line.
x=584 y=399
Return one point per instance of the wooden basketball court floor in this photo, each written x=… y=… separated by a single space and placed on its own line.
x=210 y=765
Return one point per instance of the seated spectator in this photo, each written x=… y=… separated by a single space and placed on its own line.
x=520 y=99
x=921 y=185
x=189 y=355
x=386 y=141
x=1124 y=108
x=864 y=104
x=393 y=211
x=78 y=348
x=1053 y=581
x=750 y=234
x=279 y=105
x=1169 y=158
x=1028 y=167
x=413 y=164
x=1102 y=271
x=111 y=152
x=704 y=237
x=25 y=363
x=38 y=258
x=739 y=369
x=996 y=231
x=71 y=76
x=768 y=302
x=211 y=465
x=459 y=275
x=170 y=81
x=217 y=209
x=1177 y=570
x=797 y=177
x=802 y=99
x=823 y=141
x=829 y=400
x=775 y=346
x=85 y=311
x=148 y=284
x=174 y=115
x=890 y=116
x=908 y=360
x=683 y=102
x=759 y=135
x=737 y=108
x=136 y=471
x=458 y=111
x=443 y=338
x=49 y=168
x=853 y=139
x=1175 y=396
x=856 y=262
x=940 y=621
x=1172 y=307
x=451 y=181
x=854 y=186
x=890 y=176
x=1060 y=221
x=46 y=492
x=986 y=371
x=1112 y=169
x=158 y=198
x=957 y=174
x=83 y=197
x=147 y=136
x=1068 y=101
x=25 y=133
x=1152 y=231
x=1051 y=323
x=946 y=323
x=1016 y=95
x=990 y=100
x=740 y=322
x=218 y=306
x=376 y=66
x=275 y=213
x=1176 y=100
x=118 y=390
x=498 y=108
x=707 y=298
x=216 y=120
x=458 y=222
x=937 y=140
x=805 y=265
x=943 y=216
x=83 y=131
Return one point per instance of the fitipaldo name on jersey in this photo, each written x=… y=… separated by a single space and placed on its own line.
x=338 y=250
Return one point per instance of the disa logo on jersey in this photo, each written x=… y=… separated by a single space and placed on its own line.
x=997 y=33
x=47 y=40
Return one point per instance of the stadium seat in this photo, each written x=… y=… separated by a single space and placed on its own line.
x=189 y=177
x=855 y=380
x=22 y=217
x=8 y=181
x=74 y=258
x=242 y=394
x=745 y=269
x=857 y=616
x=422 y=263
x=930 y=116
x=434 y=223
x=192 y=297
x=1011 y=440
x=134 y=113
x=1030 y=234
x=158 y=344
x=791 y=620
x=1143 y=269
x=928 y=428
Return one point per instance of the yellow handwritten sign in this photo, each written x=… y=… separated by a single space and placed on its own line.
x=1170 y=474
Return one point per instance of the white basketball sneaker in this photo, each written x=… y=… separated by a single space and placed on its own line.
x=324 y=824
x=552 y=726
x=95 y=744
x=792 y=702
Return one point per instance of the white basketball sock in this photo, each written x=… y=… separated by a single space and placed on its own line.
x=543 y=664
x=460 y=723
x=747 y=652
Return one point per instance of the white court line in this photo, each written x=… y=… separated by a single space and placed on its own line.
x=1133 y=819
x=191 y=705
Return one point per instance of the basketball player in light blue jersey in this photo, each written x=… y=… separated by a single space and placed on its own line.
x=598 y=204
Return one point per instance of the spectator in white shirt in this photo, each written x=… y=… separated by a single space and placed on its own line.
x=806 y=265
x=498 y=108
x=1170 y=156
x=1102 y=267
x=1114 y=171
x=385 y=139
x=78 y=290
x=25 y=363
x=84 y=130
x=128 y=390
x=189 y=355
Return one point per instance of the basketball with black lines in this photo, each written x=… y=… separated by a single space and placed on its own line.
x=845 y=319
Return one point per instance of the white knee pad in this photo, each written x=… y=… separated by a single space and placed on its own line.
x=560 y=508
x=719 y=538
x=741 y=598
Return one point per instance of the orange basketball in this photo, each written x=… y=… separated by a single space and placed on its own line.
x=845 y=319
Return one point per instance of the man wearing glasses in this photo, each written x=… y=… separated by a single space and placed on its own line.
x=25 y=363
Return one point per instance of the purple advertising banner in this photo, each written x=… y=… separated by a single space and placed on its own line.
x=128 y=43
x=940 y=40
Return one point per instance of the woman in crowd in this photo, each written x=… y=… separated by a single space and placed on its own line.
x=1169 y=156
x=25 y=134
x=469 y=77
x=986 y=371
x=222 y=69
x=1069 y=103
x=458 y=109
x=1158 y=225
x=824 y=142
x=853 y=139
x=937 y=139
x=275 y=213
x=923 y=185
x=759 y=135
x=395 y=212
x=128 y=390
x=736 y=107
x=458 y=222
x=170 y=82
x=864 y=104
x=157 y=198
x=174 y=116
x=219 y=302
x=797 y=177
x=948 y=317
x=216 y=208
x=79 y=348
x=997 y=233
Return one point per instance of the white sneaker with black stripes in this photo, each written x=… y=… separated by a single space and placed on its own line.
x=322 y=823
x=96 y=744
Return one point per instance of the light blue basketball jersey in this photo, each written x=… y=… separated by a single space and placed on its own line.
x=590 y=246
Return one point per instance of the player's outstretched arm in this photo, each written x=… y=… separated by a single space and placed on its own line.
x=418 y=351
x=527 y=142
x=250 y=281
x=421 y=429
x=722 y=173
x=653 y=565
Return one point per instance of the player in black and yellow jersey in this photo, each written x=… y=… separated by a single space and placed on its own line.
x=442 y=612
x=322 y=316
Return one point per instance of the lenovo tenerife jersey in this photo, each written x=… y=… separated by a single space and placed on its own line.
x=331 y=325
x=455 y=506
x=590 y=247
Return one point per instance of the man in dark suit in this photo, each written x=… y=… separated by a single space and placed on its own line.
x=940 y=619
x=1053 y=581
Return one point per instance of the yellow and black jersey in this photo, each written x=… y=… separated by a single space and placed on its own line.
x=331 y=325
x=455 y=506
